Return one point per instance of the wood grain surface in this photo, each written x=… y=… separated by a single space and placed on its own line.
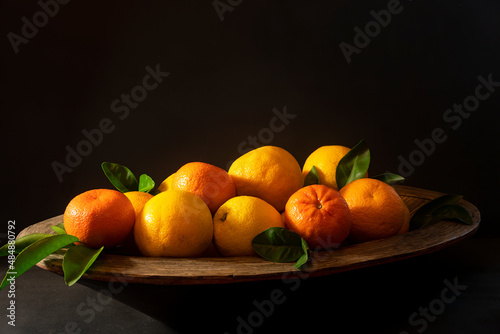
x=163 y=271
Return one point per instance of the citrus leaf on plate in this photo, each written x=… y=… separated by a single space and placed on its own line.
x=278 y=244
x=453 y=212
x=77 y=260
x=304 y=257
x=120 y=176
x=389 y=178
x=22 y=243
x=312 y=177
x=34 y=253
x=353 y=165
x=429 y=213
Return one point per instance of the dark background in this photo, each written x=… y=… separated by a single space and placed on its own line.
x=225 y=79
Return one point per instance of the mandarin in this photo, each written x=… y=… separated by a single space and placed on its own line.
x=320 y=215
x=211 y=183
x=99 y=217
x=377 y=209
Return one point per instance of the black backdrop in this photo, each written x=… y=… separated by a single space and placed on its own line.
x=229 y=68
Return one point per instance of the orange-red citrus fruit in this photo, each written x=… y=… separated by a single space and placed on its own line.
x=211 y=183
x=320 y=215
x=99 y=217
x=406 y=224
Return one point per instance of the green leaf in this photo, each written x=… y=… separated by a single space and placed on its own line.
x=22 y=243
x=353 y=165
x=34 y=253
x=146 y=183
x=120 y=176
x=312 y=177
x=389 y=178
x=58 y=229
x=453 y=212
x=425 y=214
x=278 y=244
x=304 y=257
x=77 y=260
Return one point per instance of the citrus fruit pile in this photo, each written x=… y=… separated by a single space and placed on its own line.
x=204 y=210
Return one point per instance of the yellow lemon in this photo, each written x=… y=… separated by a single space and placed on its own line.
x=270 y=173
x=241 y=219
x=174 y=223
x=326 y=159
x=166 y=184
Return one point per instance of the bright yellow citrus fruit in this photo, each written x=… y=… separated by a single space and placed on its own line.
x=138 y=199
x=377 y=210
x=325 y=159
x=166 y=184
x=241 y=219
x=174 y=223
x=270 y=173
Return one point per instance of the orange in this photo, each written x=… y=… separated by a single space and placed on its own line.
x=174 y=223
x=241 y=219
x=270 y=173
x=211 y=183
x=99 y=217
x=326 y=160
x=138 y=199
x=376 y=208
x=406 y=224
x=320 y=215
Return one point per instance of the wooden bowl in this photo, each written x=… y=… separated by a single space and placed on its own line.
x=216 y=270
